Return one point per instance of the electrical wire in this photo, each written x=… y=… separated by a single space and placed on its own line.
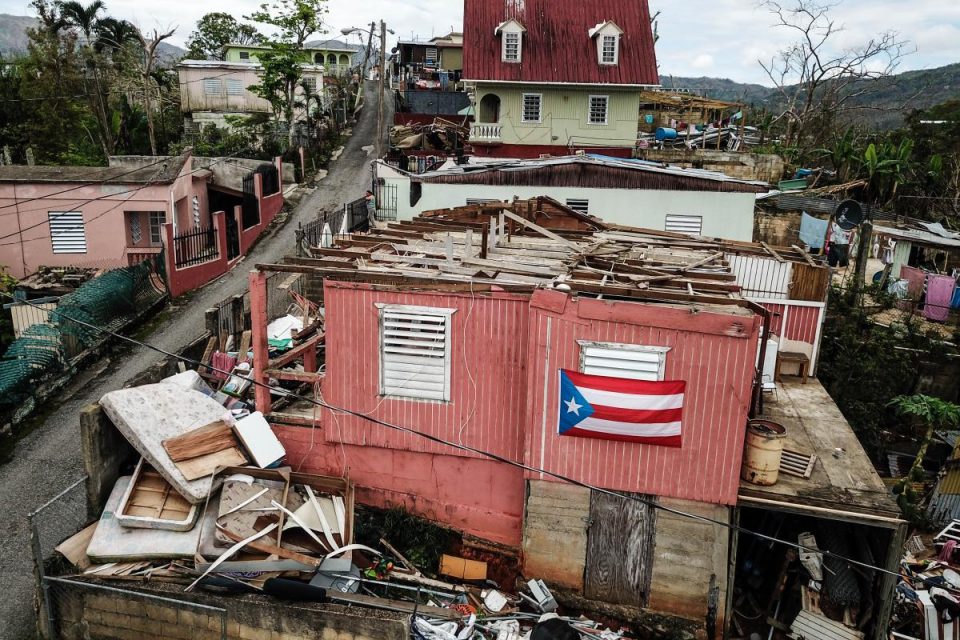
x=480 y=452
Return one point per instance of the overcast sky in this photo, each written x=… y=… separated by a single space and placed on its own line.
x=719 y=38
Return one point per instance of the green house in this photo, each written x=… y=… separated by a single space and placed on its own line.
x=337 y=58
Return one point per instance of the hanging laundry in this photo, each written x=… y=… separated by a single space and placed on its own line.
x=222 y=363
x=812 y=230
x=939 y=296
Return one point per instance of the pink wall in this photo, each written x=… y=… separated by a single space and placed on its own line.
x=26 y=207
x=501 y=358
x=184 y=279
x=713 y=352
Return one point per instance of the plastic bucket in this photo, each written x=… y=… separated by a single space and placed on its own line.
x=762 y=452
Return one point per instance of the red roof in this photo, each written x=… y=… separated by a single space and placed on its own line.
x=556 y=46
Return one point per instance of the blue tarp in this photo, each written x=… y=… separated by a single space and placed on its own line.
x=812 y=231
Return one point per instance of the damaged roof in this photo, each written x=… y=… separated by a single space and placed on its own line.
x=595 y=171
x=524 y=245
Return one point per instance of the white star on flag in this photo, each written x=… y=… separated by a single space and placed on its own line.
x=572 y=406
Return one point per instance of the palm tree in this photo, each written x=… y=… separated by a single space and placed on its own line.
x=113 y=34
x=84 y=18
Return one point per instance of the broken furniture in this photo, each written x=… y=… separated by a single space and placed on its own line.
x=151 y=503
x=793 y=357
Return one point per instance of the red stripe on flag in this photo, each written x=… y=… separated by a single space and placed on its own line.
x=622 y=385
x=663 y=441
x=636 y=416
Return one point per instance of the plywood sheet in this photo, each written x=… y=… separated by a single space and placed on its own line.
x=619 y=550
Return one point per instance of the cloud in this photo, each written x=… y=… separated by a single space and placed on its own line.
x=702 y=61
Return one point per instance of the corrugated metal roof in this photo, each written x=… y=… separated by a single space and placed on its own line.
x=591 y=170
x=917 y=236
x=556 y=45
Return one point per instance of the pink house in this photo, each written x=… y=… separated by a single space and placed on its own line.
x=457 y=326
x=130 y=211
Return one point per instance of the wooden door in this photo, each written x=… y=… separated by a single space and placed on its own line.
x=619 y=550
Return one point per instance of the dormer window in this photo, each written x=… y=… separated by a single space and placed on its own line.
x=511 y=41
x=607 y=34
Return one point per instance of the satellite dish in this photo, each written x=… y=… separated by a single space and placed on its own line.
x=849 y=214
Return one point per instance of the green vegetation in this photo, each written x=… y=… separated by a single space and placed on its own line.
x=214 y=32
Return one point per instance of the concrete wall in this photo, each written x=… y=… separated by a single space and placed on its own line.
x=231 y=94
x=725 y=215
x=105 y=209
x=86 y=613
x=747 y=166
x=555 y=533
x=564 y=116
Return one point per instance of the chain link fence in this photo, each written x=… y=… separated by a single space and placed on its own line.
x=75 y=607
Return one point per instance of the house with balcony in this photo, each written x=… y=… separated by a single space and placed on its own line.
x=557 y=76
x=337 y=58
x=435 y=64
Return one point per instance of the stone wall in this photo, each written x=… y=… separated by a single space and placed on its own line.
x=86 y=612
x=767 y=167
x=778 y=229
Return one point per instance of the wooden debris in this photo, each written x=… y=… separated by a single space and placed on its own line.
x=210 y=438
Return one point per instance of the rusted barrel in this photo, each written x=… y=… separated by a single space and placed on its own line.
x=762 y=452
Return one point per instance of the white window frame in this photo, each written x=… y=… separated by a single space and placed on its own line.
x=681 y=219
x=523 y=108
x=398 y=392
x=156 y=221
x=580 y=205
x=69 y=230
x=505 y=51
x=431 y=60
x=209 y=84
x=602 y=41
x=627 y=349
x=606 y=110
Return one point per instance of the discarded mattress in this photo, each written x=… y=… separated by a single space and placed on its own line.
x=112 y=542
x=149 y=414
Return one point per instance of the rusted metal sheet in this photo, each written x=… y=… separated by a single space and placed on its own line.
x=487 y=376
x=718 y=368
x=556 y=46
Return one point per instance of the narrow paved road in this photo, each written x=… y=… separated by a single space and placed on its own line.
x=48 y=459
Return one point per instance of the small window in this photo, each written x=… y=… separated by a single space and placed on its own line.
x=234 y=87
x=608 y=50
x=431 y=57
x=532 y=103
x=136 y=233
x=511 y=46
x=211 y=86
x=157 y=220
x=244 y=55
x=67 y=234
x=580 y=206
x=692 y=225
x=598 y=109
x=615 y=360
x=415 y=352
x=310 y=85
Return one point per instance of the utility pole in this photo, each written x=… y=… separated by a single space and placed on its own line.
x=363 y=69
x=380 y=102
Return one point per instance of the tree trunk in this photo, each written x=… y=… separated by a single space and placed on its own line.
x=148 y=111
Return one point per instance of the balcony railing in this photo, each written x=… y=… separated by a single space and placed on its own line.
x=485 y=132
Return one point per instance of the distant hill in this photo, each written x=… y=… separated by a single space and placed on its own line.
x=13 y=38
x=900 y=94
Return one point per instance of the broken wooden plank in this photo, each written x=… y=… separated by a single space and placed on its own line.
x=296 y=353
x=535 y=227
x=308 y=377
x=207 y=355
x=203 y=466
x=244 y=349
x=210 y=438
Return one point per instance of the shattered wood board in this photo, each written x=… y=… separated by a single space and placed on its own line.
x=149 y=414
x=241 y=522
x=112 y=542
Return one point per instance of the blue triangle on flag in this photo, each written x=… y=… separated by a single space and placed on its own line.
x=574 y=408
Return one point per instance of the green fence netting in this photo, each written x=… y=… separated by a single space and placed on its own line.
x=108 y=301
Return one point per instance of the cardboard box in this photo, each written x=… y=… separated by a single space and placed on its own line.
x=463 y=569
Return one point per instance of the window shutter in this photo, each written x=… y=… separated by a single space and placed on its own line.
x=635 y=362
x=234 y=87
x=692 y=225
x=415 y=352
x=66 y=232
x=211 y=86
x=578 y=205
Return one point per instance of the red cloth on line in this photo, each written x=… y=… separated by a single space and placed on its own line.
x=222 y=362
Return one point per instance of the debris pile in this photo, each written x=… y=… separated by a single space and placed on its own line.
x=725 y=138
x=927 y=602
x=440 y=135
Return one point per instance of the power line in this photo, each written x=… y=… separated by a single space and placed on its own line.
x=462 y=447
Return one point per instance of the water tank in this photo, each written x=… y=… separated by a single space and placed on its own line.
x=762 y=452
x=665 y=133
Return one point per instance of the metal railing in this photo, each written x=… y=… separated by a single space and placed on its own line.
x=195 y=246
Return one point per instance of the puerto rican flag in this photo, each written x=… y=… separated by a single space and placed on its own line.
x=620 y=409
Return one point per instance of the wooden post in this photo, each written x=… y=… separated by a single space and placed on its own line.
x=863 y=252
x=483 y=244
x=236 y=317
x=258 y=325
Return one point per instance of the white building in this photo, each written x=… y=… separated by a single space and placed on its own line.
x=619 y=191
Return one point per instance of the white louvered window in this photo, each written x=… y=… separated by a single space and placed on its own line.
x=211 y=86
x=532 y=103
x=244 y=55
x=692 y=225
x=234 y=87
x=66 y=231
x=578 y=205
x=415 y=352
x=615 y=360
x=597 y=112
